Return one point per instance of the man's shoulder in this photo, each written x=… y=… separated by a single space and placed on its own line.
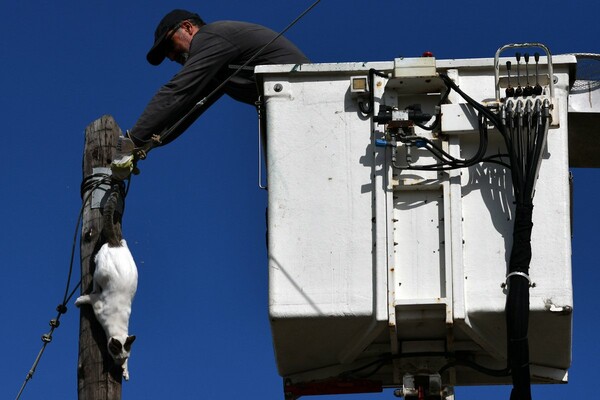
x=228 y=25
x=222 y=35
x=229 y=28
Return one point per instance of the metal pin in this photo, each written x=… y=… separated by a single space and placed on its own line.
x=537 y=90
x=510 y=91
x=519 y=90
x=528 y=91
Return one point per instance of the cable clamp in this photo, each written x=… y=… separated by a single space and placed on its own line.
x=140 y=153
x=518 y=273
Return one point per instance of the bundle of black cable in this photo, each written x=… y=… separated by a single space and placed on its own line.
x=524 y=125
x=525 y=137
x=517 y=303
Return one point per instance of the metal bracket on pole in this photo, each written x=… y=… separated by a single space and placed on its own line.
x=102 y=191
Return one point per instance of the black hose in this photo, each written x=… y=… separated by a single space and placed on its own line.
x=369 y=107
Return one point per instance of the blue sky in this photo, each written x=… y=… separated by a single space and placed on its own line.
x=195 y=216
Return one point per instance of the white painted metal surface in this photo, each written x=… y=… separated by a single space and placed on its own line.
x=367 y=261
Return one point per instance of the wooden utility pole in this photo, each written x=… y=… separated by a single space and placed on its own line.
x=98 y=378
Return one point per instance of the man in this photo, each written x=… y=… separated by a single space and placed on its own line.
x=210 y=54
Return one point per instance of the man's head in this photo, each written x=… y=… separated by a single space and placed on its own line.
x=173 y=36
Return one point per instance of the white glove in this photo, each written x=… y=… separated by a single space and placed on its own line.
x=123 y=163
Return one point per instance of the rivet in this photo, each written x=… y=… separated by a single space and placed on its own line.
x=88 y=235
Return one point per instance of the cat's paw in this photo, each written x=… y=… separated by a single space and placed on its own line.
x=85 y=299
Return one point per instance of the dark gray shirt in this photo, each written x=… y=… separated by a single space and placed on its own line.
x=216 y=51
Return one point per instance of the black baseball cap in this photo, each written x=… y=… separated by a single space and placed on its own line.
x=156 y=55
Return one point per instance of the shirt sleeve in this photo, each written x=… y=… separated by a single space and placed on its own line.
x=209 y=54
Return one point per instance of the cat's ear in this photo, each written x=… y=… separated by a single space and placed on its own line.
x=114 y=346
x=128 y=342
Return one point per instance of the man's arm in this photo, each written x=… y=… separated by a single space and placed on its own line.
x=208 y=54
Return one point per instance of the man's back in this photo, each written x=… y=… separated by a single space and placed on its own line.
x=216 y=51
x=227 y=45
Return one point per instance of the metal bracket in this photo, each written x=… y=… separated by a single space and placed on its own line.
x=522 y=45
x=261 y=144
x=100 y=194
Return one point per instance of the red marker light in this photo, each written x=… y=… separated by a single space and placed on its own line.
x=427 y=54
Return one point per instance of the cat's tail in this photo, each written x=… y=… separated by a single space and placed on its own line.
x=112 y=225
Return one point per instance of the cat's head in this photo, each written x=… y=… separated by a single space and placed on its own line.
x=119 y=348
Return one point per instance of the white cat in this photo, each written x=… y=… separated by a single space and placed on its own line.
x=114 y=286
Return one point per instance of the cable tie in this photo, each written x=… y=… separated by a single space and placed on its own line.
x=518 y=273
x=61 y=308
